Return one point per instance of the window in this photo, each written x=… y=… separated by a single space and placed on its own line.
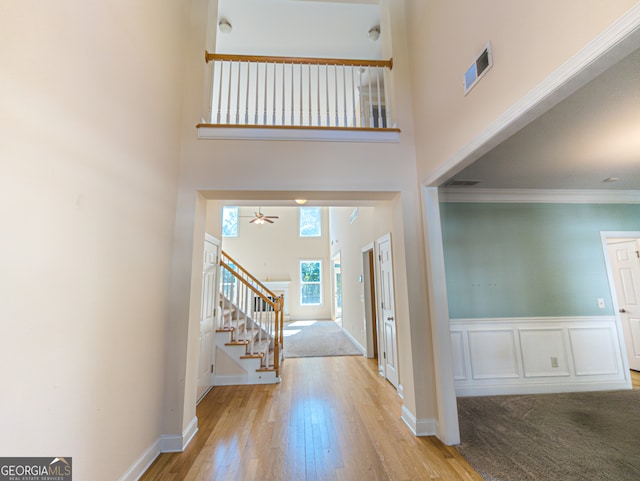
x=230 y=221
x=310 y=222
x=310 y=283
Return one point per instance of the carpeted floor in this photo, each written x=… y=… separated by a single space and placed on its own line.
x=316 y=339
x=553 y=437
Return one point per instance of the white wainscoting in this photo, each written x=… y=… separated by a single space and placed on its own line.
x=537 y=355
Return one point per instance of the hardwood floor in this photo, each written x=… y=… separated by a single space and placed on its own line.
x=635 y=379
x=330 y=419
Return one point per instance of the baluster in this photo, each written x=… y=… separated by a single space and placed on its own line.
x=273 y=117
x=380 y=124
x=318 y=89
x=344 y=94
x=292 y=94
x=229 y=93
x=387 y=100
x=335 y=74
x=246 y=103
x=353 y=95
x=326 y=79
x=284 y=115
x=362 y=117
x=255 y=116
x=238 y=93
x=264 y=116
x=301 y=105
x=220 y=93
x=370 y=97
x=309 y=70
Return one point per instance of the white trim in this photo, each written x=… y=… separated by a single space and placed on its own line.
x=172 y=443
x=620 y=39
x=540 y=388
x=419 y=427
x=140 y=465
x=540 y=196
x=400 y=391
x=448 y=427
x=567 y=377
x=164 y=444
x=260 y=377
x=331 y=135
x=189 y=432
x=357 y=344
x=527 y=320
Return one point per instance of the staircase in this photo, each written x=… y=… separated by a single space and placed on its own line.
x=250 y=327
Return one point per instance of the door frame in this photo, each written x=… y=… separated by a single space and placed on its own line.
x=604 y=236
x=369 y=297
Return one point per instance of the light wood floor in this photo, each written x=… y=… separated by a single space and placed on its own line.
x=635 y=379
x=330 y=419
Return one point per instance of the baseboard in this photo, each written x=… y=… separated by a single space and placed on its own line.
x=164 y=444
x=140 y=466
x=189 y=432
x=419 y=427
x=356 y=343
x=401 y=391
x=515 y=389
x=267 y=377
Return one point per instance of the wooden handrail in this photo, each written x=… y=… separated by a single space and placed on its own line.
x=248 y=274
x=255 y=291
x=299 y=60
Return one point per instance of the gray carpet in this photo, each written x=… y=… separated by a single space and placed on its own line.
x=316 y=339
x=553 y=437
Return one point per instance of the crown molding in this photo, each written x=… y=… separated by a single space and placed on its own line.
x=539 y=196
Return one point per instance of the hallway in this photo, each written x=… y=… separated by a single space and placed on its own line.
x=330 y=419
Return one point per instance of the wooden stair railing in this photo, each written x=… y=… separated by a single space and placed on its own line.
x=259 y=319
x=299 y=93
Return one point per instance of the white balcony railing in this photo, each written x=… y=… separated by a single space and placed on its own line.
x=300 y=93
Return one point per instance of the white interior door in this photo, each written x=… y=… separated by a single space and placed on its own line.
x=387 y=308
x=210 y=294
x=625 y=263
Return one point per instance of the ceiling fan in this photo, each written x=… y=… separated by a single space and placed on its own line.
x=260 y=218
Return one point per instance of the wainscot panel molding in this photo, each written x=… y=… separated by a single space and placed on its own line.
x=537 y=355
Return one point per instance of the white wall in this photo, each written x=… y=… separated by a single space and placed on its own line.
x=530 y=41
x=89 y=146
x=271 y=252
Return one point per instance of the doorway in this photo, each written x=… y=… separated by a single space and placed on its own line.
x=622 y=252
x=386 y=305
x=208 y=311
x=369 y=299
x=336 y=281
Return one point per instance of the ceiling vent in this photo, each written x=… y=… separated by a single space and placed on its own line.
x=461 y=183
x=479 y=67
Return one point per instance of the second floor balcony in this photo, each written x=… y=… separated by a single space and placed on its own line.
x=267 y=97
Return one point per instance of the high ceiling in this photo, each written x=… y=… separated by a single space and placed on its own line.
x=300 y=28
x=592 y=135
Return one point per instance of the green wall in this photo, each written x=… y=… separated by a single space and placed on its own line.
x=529 y=260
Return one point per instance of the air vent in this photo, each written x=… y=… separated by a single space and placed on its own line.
x=482 y=64
x=461 y=183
